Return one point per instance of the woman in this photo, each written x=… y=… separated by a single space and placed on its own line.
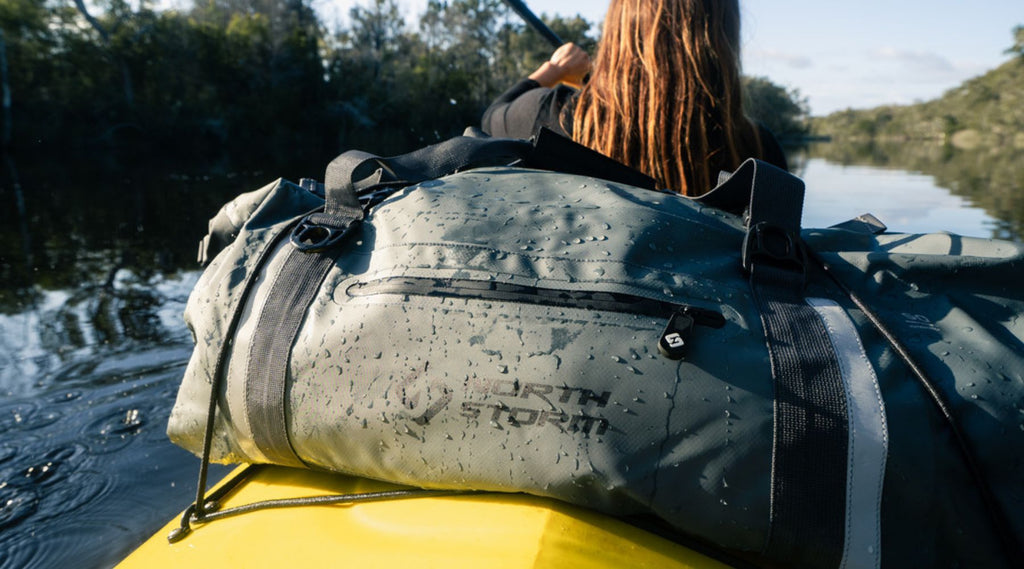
x=663 y=94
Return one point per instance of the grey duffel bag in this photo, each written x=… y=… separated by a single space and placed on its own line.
x=824 y=398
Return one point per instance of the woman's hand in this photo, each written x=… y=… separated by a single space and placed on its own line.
x=569 y=64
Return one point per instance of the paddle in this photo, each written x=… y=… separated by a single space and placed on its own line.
x=535 y=22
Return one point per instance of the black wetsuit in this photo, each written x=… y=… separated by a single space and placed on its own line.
x=521 y=111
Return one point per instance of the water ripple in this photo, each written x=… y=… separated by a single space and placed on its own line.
x=26 y=416
x=16 y=504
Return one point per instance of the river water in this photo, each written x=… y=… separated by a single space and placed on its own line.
x=96 y=269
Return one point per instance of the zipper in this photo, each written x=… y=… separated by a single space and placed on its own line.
x=682 y=318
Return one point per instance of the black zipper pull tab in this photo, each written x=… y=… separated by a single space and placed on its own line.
x=673 y=340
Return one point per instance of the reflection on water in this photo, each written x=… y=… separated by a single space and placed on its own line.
x=66 y=335
x=96 y=264
x=905 y=202
x=935 y=187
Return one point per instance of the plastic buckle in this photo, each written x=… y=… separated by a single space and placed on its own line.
x=311 y=236
x=772 y=245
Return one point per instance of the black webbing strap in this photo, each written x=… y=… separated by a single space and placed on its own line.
x=810 y=434
x=555 y=152
x=313 y=252
x=809 y=456
x=266 y=389
x=314 y=248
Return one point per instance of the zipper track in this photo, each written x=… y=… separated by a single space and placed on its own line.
x=506 y=292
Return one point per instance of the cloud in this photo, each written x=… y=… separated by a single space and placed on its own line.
x=915 y=60
x=793 y=60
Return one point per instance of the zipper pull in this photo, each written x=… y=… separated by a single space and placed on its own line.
x=673 y=340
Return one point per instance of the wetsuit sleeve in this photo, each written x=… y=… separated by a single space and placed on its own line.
x=522 y=110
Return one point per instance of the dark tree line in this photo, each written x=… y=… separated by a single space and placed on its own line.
x=267 y=76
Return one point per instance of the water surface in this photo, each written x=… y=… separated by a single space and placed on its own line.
x=906 y=202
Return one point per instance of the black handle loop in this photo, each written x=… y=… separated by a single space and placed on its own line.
x=766 y=192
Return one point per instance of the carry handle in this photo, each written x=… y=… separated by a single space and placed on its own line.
x=321 y=231
x=773 y=200
x=346 y=172
x=769 y=194
x=354 y=172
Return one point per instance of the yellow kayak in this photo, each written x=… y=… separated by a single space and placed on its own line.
x=507 y=531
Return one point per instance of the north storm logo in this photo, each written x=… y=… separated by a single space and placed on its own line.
x=505 y=403
x=436 y=393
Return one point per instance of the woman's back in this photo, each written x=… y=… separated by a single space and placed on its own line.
x=664 y=94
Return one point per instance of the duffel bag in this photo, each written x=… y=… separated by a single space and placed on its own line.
x=451 y=319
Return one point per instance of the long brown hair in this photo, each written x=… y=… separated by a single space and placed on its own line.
x=664 y=94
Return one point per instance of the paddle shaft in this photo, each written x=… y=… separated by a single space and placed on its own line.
x=526 y=14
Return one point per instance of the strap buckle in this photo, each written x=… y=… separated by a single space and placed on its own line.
x=320 y=231
x=770 y=244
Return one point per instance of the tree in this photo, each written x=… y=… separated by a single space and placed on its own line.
x=523 y=49
x=5 y=94
x=118 y=12
x=782 y=111
x=1018 y=42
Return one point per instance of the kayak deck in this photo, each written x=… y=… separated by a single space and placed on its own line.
x=513 y=531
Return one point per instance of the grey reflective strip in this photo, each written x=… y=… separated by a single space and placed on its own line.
x=869 y=439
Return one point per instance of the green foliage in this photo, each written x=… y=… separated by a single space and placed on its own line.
x=265 y=77
x=782 y=111
x=984 y=111
x=1018 y=42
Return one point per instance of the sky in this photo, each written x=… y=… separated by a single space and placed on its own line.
x=852 y=54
